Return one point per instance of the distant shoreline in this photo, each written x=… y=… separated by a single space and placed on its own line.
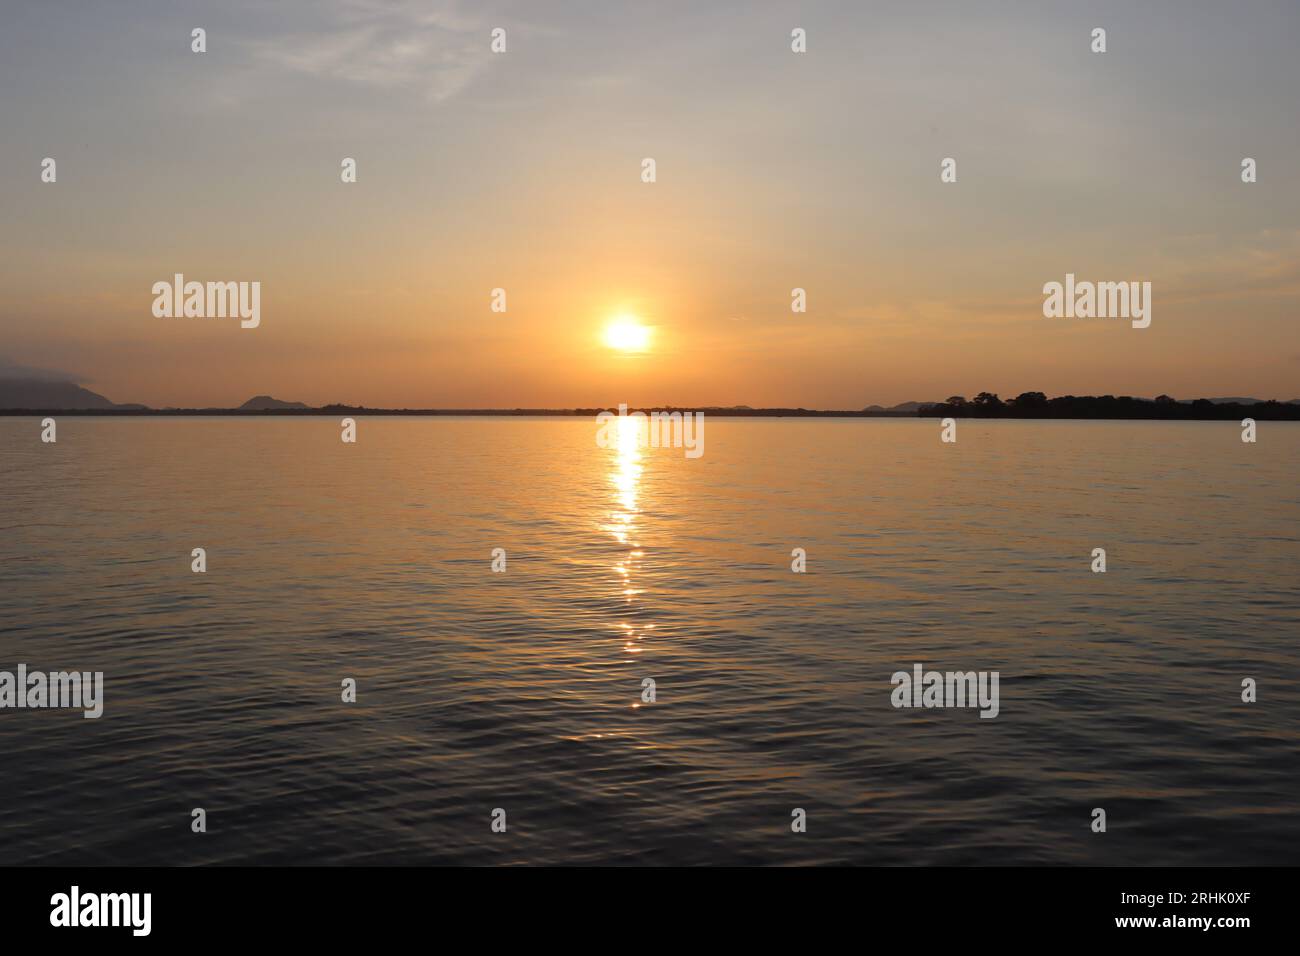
x=33 y=397
x=335 y=410
x=1114 y=410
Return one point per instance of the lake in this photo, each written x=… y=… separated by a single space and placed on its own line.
x=523 y=689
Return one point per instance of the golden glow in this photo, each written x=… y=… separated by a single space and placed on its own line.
x=625 y=480
x=627 y=335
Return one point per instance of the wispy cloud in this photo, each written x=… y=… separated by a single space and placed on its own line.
x=1260 y=264
x=13 y=371
x=430 y=47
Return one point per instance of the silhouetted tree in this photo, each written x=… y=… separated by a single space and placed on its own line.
x=1030 y=400
x=1037 y=405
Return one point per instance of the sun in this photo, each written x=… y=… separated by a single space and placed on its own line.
x=626 y=334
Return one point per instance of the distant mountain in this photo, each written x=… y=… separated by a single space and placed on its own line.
x=263 y=403
x=55 y=396
x=1237 y=401
x=909 y=406
x=1225 y=401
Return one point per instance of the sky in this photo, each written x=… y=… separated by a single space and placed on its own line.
x=775 y=170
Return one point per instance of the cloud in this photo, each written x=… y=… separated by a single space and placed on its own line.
x=431 y=48
x=1260 y=264
x=11 y=371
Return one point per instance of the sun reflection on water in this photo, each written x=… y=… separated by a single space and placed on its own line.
x=625 y=477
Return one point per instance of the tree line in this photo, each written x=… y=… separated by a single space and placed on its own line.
x=1038 y=405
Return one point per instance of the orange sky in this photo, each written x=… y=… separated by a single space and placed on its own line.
x=775 y=170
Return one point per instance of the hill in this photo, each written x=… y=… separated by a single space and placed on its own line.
x=265 y=403
x=53 y=396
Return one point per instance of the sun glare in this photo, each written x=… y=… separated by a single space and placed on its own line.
x=627 y=335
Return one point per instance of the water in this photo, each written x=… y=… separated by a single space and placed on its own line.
x=520 y=690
